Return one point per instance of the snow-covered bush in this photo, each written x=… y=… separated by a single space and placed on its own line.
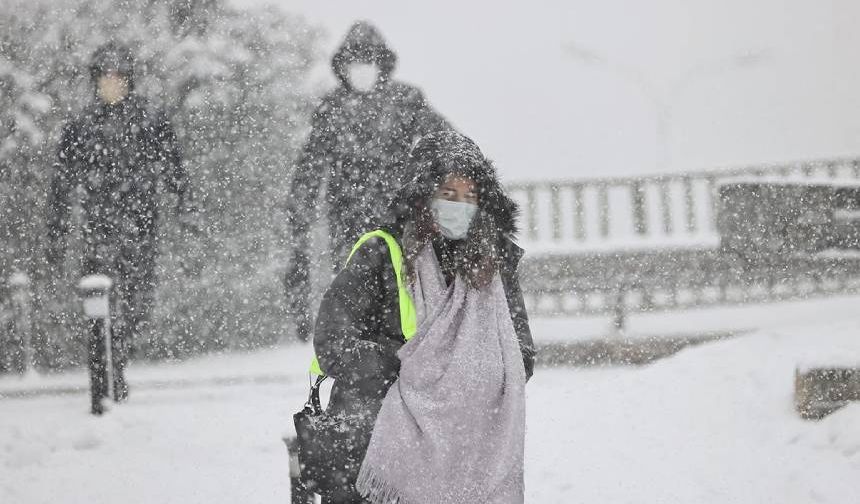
x=233 y=83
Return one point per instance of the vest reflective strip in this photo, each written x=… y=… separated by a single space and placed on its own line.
x=408 y=319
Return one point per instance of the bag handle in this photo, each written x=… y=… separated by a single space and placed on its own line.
x=313 y=403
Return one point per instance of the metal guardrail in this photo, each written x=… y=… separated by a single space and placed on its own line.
x=617 y=284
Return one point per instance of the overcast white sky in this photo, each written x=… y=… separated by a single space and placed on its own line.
x=500 y=72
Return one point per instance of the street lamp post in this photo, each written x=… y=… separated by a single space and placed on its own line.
x=664 y=101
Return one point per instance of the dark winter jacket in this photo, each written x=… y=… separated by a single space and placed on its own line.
x=358 y=329
x=358 y=141
x=355 y=151
x=119 y=154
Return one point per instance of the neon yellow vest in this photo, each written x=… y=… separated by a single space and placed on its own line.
x=408 y=320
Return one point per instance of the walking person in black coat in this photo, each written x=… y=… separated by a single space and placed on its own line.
x=360 y=134
x=119 y=151
x=360 y=328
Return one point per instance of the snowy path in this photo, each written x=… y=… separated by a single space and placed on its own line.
x=713 y=424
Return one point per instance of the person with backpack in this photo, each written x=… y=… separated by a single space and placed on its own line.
x=426 y=336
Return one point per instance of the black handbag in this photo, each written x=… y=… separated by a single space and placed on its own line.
x=331 y=447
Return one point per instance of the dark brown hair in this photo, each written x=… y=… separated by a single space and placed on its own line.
x=434 y=158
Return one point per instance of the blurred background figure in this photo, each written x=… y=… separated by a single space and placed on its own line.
x=119 y=151
x=360 y=133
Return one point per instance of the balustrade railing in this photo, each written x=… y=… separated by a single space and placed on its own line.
x=668 y=210
x=633 y=244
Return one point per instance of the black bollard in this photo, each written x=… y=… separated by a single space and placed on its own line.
x=95 y=290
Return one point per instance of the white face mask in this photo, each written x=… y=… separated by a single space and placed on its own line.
x=453 y=217
x=363 y=76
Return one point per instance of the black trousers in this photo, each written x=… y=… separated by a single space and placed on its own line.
x=343 y=499
x=298 y=282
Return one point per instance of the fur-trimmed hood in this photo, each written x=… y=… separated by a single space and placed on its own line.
x=437 y=155
x=363 y=44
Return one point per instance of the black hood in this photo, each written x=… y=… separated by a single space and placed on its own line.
x=437 y=155
x=363 y=44
x=113 y=57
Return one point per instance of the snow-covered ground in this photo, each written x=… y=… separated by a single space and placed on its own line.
x=714 y=423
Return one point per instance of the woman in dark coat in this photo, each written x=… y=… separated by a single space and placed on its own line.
x=358 y=330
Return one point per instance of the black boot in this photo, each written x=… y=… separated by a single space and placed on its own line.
x=97 y=409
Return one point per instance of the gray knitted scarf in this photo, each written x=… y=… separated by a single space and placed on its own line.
x=452 y=427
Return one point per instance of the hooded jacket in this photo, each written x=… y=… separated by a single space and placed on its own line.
x=119 y=155
x=355 y=152
x=358 y=328
x=358 y=141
